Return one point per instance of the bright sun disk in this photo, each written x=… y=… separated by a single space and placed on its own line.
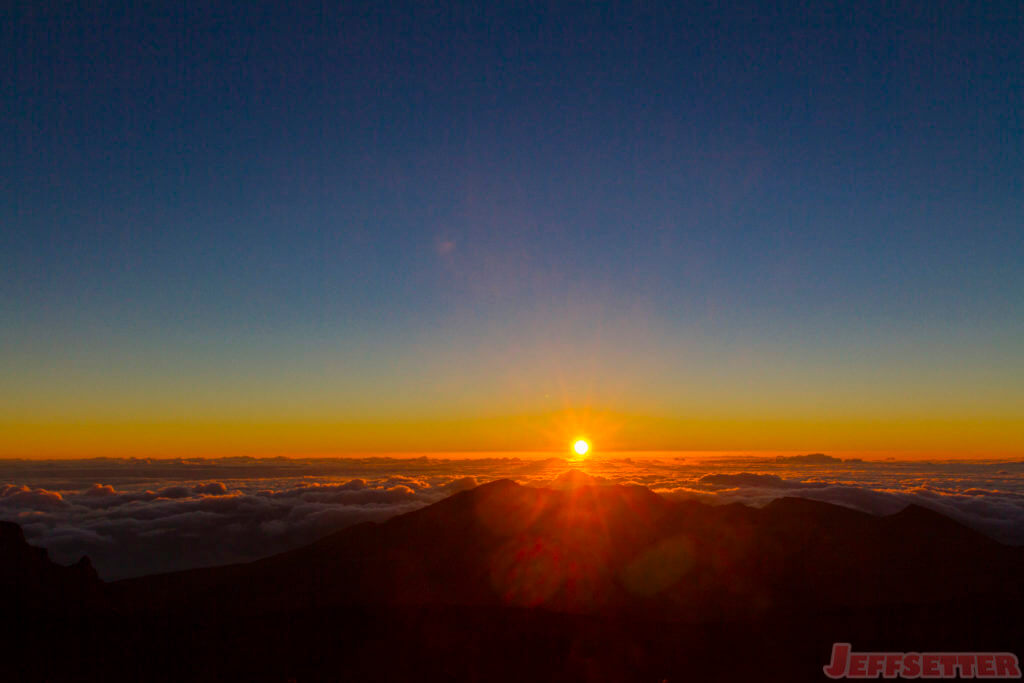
x=581 y=447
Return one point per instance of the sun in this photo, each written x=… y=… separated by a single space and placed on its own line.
x=581 y=447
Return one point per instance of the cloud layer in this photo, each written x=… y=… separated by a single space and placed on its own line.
x=135 y=517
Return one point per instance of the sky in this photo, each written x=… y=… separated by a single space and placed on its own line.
x=310 y=229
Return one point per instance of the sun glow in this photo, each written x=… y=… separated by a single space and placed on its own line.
x=581 y=447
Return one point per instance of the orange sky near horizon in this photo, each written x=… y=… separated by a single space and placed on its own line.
x=966 y=438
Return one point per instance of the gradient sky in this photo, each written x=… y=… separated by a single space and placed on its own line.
x=276 y=228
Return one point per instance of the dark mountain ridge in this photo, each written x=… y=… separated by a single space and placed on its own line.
x=647 y=587
x=31 y=581
x=609 y=549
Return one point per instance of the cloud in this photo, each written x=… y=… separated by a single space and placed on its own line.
x=100 y=491
x=23 y=496
x=133 y=532
x=770 y=481
x=1000 y=514
x=574 y=479
x=213 y=488
x=810 y=459
x=174 y=492
x=136 y=517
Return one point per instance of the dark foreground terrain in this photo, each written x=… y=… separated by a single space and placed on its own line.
x=505 y=582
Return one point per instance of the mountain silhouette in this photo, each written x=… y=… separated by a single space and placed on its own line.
x=579 y=581
x=29 y=580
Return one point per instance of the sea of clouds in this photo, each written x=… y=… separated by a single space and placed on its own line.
x=137 y=516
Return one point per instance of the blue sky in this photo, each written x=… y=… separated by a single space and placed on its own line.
x=396 y=209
